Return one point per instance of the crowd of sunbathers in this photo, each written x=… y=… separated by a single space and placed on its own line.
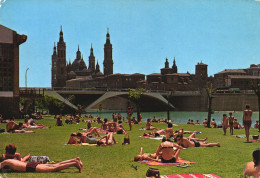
x=108 y=127
x=167 y=152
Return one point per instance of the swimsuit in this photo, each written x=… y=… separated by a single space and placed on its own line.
x=31 y=166
x=91 y=140
x=197 y=144
x=247 y=123
x=156 y=135
x=120 y=131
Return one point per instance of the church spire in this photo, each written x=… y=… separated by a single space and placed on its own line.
x=54 y=49
x=91 y=51
x=108 y=37
x=61 y=35
x=174 y=66
x=166 y=63
x=78 y=53
x=97 y=68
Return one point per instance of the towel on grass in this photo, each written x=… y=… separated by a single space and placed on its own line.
x=242 y=136
x=153 y=138
x=156 y=163
x=191 y=132
x=188 y=175
x=255 y=140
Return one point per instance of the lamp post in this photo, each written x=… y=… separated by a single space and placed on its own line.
x=26 y=77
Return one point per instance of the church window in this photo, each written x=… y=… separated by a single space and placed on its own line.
x=54 y=77
x=54 y=64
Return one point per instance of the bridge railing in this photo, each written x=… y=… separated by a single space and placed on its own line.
x=31 y=92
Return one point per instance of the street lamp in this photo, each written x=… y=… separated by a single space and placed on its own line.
x=26 y=77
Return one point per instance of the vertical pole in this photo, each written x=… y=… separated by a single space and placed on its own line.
x=26 y=77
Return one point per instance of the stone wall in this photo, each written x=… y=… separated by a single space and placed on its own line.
x=234 y=102
x=9 y=107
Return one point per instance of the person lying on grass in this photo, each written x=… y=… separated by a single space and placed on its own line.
x=33 y=125
x=155 y=134
x=145 y=156
x=13 y=127
x=167 y=153
x=20 y=166
x=10 y=153
x=169 y=131
x=77 y=138
x=253 y=168
x=191 y=142
x=149 y=125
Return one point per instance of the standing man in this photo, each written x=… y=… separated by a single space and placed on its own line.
x=247 y=115
x=231 y=123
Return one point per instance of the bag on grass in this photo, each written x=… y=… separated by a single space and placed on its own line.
x=126 y=139
x=40 y=159
x=153 y=172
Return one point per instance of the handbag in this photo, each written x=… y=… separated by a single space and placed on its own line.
x=126 y=139
x=153 y=172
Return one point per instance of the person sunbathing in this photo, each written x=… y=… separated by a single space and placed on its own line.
x=106 y=140
x=20 y=166
x=167 y=153
x=10 y=153
x=155 y=134
x=145 y=156
x=59 y=122
x=186 y=143
x=213 y=124
x=92 y=130
x=169 y=131
x=205 y=122
x=256 y=126
x=149 y=125
x=236 y=124
x=253 y=168
x=104 y=125
x=120 y=128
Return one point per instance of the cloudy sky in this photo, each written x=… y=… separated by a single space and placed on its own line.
x=225 y=34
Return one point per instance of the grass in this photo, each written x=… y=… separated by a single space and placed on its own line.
x=114 y=161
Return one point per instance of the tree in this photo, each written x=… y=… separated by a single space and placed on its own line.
x=209 y=90
x=256 y=87
x=134 y=95
x=169 y=96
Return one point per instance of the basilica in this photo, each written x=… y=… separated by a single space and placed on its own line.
x=77 y=75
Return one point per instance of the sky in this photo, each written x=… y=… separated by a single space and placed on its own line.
x=224 y=34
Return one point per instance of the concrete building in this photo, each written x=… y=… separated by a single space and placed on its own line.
x=9 y=71
x=237 y=78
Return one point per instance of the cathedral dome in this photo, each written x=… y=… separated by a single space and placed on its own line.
x=72 y=75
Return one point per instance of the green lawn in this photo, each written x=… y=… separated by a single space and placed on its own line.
x=115 y=161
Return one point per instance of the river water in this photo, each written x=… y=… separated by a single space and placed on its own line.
x=180 y=117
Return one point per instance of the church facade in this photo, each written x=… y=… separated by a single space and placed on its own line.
x=77 y=75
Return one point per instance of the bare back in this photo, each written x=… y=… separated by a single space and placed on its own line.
x=247 y=115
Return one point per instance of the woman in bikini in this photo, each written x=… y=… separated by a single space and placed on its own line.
x=155 y=134
x=167 y=152
x=252 y=169
x=108 y=139
x=145 y=156
x=149 y=125
x=20 y=166
x=247 y=120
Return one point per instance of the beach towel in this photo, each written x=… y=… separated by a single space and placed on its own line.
x=191 y=132
x=143 y=128
x=242 y=136
x=153 y=138
x=255 y=140
x=156 y=163
x=192 y=175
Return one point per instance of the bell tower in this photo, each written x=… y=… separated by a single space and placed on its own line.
x=108 y=61
x=59 y=72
